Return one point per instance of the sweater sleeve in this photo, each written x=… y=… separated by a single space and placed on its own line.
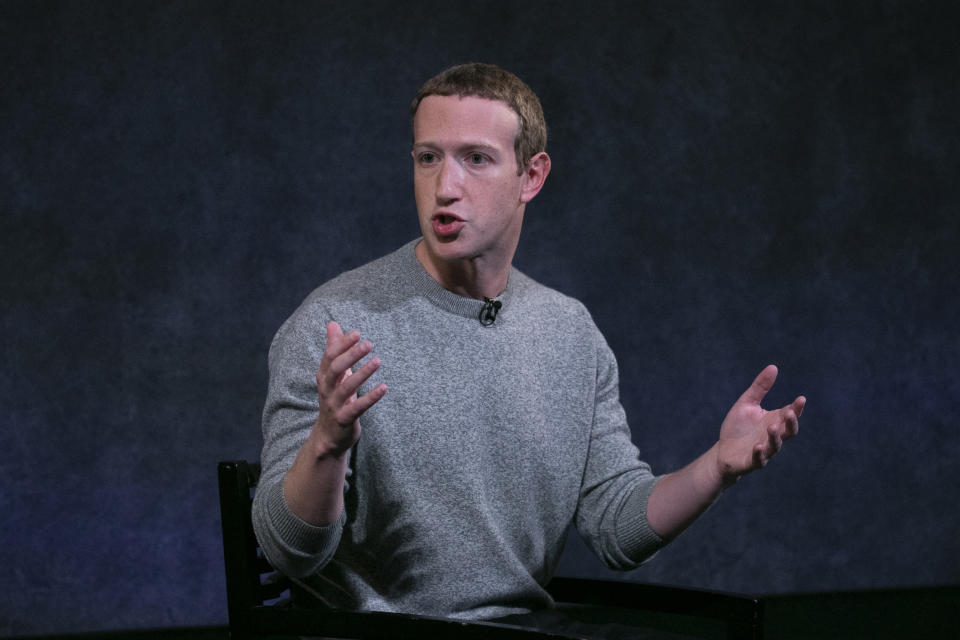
x=612 y=511
x=292 y=545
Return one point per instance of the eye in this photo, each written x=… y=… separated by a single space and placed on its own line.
x=427 y=158
x=477 y=158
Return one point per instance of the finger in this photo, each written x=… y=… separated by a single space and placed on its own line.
x=759 y=457
x=791 y=422
x=343 y=363
x=766 y=449
x=350 y=384
x=332 y=366
x=333 y=331
x=352 y=412
x=761 y=386
x=774 y=439
x=334 y=341
x=799 y=404
x=337 y=341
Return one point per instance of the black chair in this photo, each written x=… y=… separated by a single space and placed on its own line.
x=263 y=603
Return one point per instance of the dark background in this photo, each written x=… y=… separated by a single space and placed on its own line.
x=734 y=183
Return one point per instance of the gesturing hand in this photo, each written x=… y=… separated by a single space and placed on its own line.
x=750 y=435
x=338 y=425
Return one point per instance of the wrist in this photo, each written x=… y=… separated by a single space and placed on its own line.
x=323 y=448
x=722 y=475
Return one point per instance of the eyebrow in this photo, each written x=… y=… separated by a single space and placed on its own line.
x=467 y=146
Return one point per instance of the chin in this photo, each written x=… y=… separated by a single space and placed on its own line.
x=450 y=249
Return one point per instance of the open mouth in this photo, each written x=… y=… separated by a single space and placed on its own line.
x=446 y=224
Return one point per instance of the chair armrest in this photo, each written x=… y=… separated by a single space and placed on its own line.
x=375 y=625
x=741 y=614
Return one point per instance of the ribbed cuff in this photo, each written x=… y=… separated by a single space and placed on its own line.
x=298 y=534
x=635 y=537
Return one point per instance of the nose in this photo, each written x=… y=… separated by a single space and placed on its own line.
x=448 y=182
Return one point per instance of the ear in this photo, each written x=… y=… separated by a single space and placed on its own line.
x=534 y=176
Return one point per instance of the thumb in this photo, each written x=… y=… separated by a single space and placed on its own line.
x=761 y=386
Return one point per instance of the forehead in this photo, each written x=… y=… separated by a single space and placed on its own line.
x=458 y=119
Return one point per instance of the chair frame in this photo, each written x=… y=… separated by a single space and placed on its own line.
x=261 y=602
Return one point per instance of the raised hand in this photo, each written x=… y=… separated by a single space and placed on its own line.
x=338 y=424
x=751 y=435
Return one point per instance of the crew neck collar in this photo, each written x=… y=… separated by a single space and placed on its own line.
x=433 y=291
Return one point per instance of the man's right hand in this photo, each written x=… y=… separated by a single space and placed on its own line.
x=313 y=487
x=338 y=426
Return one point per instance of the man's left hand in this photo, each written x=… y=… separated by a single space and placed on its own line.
x=751 y=435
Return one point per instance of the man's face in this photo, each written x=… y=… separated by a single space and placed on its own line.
x=470 y=199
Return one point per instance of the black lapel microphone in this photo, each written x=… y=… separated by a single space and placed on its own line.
x=489 y=311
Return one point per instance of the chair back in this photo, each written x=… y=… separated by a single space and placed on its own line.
x=251 y=580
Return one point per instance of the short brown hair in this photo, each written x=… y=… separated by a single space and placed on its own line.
x=493 y=83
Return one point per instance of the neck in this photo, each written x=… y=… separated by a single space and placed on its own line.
x=469 y=277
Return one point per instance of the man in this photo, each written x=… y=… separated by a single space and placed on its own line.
x=502 y=423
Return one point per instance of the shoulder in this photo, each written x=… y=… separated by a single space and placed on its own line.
x=351 y=293
x=372 y=278
x=539 y=300
x=369 y=284
x=556 y=319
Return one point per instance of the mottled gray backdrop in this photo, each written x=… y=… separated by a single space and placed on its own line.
x=734 y=183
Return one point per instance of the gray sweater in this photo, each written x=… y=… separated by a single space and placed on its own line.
x=490 y=442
